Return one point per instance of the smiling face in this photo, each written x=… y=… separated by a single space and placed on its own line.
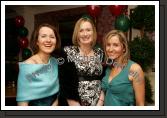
x=46 y=40
x=114 y=48
x=85 y=34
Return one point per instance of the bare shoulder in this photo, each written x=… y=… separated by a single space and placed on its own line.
x=136 y=72
x=136 y=68
x=31 y=60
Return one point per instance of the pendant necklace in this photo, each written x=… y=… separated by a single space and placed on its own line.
x=42 y=60
x=86 y=58
x=86 y=53
x=49 y=66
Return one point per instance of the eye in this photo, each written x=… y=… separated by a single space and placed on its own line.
x=81 y=30
x=43 y=36
x=52 y=37
x=115 y=44
x=108 y=44
x=89 y=30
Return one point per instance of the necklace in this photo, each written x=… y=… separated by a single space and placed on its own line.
x=47 y=67
x=86 y=53
x=86 y=56
x=43 y=61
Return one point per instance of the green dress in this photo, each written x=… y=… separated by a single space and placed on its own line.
x=119 y=91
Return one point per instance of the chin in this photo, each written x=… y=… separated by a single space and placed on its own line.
x=86 y=43
x=48 y=51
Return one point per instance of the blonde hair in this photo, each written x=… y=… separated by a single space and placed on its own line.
x=77 y=28
x=122 y=39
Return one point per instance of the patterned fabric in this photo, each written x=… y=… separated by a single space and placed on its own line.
x=89 y=92
x=90 y=70
x=36 y=81
x=85 y=66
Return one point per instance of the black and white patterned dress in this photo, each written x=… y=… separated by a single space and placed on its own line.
x=88 y=72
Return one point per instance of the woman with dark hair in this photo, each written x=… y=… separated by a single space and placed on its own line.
x=38 y=83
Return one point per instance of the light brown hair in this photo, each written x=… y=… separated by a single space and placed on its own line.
x=77 y=28
x=122 y=39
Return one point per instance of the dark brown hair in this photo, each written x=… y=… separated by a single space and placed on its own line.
x=35 y=34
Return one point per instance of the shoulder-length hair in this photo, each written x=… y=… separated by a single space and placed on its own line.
x=35 y=34
x=77 y=28
x=122 y=39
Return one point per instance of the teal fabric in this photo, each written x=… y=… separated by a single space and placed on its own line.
x=119 y=91
x=36 y=81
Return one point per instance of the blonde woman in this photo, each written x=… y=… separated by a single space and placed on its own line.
x=81 y=81
x=123 y=84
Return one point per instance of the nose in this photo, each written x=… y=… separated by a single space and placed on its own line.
x=85 y=33
x=111 y=48
x=48 y=39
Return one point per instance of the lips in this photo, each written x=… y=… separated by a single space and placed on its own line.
x=85 y=39
x=111 y=54
x=48 y=45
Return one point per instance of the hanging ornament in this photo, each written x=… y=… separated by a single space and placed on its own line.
x=86 y=16
x=23 y=42
x=26 y=53
x=94 y=10
x=23 y=31
x=116 y=10
x=122 y=22
x=19 y=21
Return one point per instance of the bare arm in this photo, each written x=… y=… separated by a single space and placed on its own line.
x=73 y=102
x=22 y=103
x=101 y=99
x=55 y=103
x=138 y=84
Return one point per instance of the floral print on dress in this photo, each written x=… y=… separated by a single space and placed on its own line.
x=91 y=67
x=89 y=91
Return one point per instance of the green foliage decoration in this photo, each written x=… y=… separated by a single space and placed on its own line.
x=148 y=91
x=143 y=16
x=142 y=51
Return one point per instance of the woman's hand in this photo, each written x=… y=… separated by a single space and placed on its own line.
x=55 y=103
x=73 y=103
x=22 y=103
x=101 y=99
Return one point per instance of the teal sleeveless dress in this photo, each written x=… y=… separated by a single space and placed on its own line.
x=119 y=91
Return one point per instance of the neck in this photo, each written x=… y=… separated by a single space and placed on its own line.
x=44 y=57
x=119 y=63
x=86 y=49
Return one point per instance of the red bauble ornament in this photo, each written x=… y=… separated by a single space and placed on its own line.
x=19 y=21
x=94 y=10
x=23 y=42
x=117 y=10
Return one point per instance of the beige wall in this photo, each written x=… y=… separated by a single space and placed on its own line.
x=28 y=13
